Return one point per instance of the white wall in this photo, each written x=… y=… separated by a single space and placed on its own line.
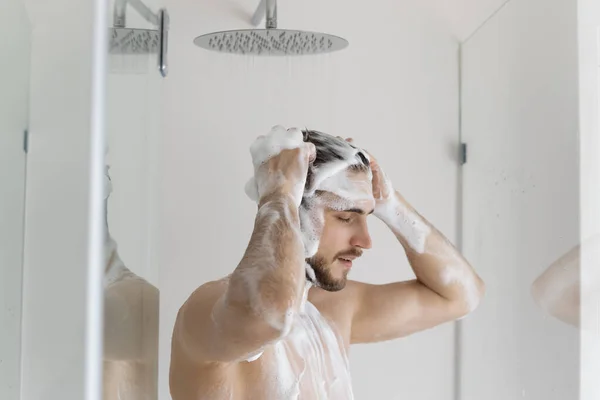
x=56 y=295
x=395 y=90
x=521 y=197
x=463 y=17
x=15 y=36
x=589 y=114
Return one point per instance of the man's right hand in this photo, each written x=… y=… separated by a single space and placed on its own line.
x=285 y=172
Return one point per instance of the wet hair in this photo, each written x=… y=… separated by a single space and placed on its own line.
x=329 y=149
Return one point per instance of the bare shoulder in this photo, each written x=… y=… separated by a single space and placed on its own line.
x=208 y=291
x=195 y=313
x=184 y=368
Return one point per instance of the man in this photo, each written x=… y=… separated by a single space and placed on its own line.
x=280 y=325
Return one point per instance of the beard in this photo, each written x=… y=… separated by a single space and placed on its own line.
x=323 y=277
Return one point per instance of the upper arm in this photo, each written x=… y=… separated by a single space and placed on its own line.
x=384 y=312
x=207 y=329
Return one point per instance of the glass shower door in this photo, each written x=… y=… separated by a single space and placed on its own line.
x=136 y=70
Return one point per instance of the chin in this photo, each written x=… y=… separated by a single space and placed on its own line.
x=329 y=277
x=335 y=286
x=331 y=283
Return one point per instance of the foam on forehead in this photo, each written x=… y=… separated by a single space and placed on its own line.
x=347 y=188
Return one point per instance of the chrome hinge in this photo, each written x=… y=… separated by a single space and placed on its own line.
x=463 y=153
x=26 y=140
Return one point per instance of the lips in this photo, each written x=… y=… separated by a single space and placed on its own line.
x=347 y=260
x=349 y=256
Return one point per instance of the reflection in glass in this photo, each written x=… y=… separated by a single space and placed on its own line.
x=130 y=329
x=559 y=292
x=131 y=294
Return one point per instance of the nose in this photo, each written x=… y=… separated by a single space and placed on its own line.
x=362 y=238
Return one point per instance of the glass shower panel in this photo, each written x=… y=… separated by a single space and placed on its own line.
x=131 y=291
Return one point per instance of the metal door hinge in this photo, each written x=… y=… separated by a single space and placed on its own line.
x=26 y=140
x=463 y=153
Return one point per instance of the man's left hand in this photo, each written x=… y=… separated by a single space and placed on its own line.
x=383 y=189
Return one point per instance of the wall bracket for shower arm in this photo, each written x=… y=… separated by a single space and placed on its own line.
x=125 y=40
x=120 y=13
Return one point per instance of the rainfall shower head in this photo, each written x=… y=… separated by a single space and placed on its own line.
x=270 y=41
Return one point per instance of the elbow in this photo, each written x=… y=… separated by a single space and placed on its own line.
x=280 y=323
x=276 y=309
x=272 y=301
x=473 y=296
x=479 y=294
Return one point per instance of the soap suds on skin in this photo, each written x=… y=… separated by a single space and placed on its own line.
x=332 y=177
x=309 y=356
x=311 y=273
x=312 y=222
x=457 y=272
x=454 y=275
x=348 y=189
x=405 y=222
x=310 y=359
x=267 y=147
x=415 y=231
x=270 y=216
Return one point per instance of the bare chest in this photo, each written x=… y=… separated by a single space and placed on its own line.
x=309 y=363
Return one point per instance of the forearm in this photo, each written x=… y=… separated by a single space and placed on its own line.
x=436 y=263
x=268 y=283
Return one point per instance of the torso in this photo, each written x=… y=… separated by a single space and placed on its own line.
x=309 y=363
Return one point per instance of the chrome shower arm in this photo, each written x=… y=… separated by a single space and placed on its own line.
x=271 y=14
x=268 y=8
x=119 y=12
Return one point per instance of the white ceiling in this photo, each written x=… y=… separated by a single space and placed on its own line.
x=463 y=17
